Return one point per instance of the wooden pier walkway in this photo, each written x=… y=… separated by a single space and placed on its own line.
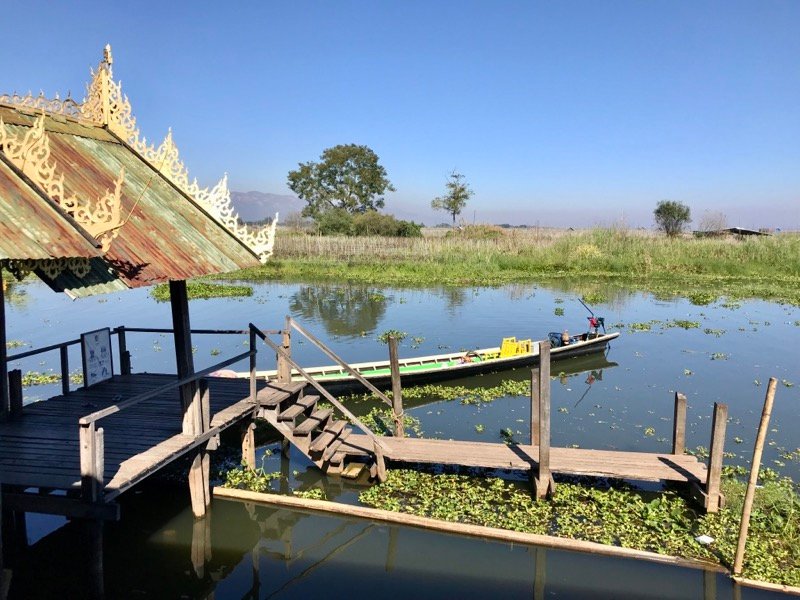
x=41 y=447
x=640 y=466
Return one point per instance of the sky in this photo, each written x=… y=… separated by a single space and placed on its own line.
x=568 y=113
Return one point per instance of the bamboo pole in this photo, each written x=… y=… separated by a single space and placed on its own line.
x=758 y=449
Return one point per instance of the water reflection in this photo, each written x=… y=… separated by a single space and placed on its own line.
x=349 y=311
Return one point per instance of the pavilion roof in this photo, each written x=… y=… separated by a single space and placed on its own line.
x=74 y=173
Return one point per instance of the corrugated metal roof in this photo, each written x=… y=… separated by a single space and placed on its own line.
x=31 y=228
x=164 y=235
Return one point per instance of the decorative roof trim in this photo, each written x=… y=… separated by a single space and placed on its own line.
x=30 y=153
x=67 y=107
x=106 y=105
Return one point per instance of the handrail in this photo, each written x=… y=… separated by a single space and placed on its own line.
x=342 y=364
x=42 y=350
x=355 y=420
x=198 y=331
x=110 y=410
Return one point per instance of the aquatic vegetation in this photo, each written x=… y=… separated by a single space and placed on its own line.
x=702 y=298
x=649 y=431
x=36 y=378
x=200 y=289
x=719 y=356
x=479 y=428
x=594 y=298
x=787 y=383
x=381 y=421
x=10 y=344
x=559 y=312
x=398 y=335
x=714 y=332
x=683 y=324
x=613 y=513
x=640 y=326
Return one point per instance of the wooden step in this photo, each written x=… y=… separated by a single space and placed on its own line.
x=330 y=433
x=337 y=443
x=301 y=405
x=275 y=393
x=319 y=418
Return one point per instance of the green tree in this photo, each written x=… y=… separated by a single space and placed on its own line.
x=347 y=177
x=672 y=216
x=454 y=201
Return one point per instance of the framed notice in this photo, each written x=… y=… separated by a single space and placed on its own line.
x=97 y=360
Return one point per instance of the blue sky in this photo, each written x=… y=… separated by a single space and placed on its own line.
x=558 y=113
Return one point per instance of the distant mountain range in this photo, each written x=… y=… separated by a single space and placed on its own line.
x=256 y=206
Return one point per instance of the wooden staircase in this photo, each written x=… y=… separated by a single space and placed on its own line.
x=315 y=431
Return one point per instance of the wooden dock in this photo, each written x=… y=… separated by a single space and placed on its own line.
x=41 y=449
x=640 y=466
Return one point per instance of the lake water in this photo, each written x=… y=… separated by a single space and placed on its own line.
x=622 y=400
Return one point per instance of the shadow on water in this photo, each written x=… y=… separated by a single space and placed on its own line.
x=243 y=550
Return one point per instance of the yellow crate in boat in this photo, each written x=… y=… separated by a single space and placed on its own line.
x=512 y=347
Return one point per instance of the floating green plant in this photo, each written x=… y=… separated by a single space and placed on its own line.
x=202 y=290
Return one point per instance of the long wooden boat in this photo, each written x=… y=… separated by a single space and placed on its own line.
x=441 y=367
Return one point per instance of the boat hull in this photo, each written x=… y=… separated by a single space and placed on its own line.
x=438 y=368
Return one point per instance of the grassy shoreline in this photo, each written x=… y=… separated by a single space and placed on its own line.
x=762 y=267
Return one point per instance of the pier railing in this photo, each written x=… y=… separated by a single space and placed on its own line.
x=196 y=420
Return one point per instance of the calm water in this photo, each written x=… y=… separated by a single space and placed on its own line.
x=622 y=400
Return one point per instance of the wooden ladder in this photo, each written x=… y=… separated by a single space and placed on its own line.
x=311 y=429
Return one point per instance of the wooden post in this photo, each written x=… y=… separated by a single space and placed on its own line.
x=249 y=445
x=92 y=456
x=179 y=302
x=679 y=425
x=96 y=584
x=253 y=347
x=380 y=463
x=284 y=368
x=15 y=392
x=758 y=448
x=714 y=500
x=124 y=355
x=397 y=398
x=199 y=422
x=535 y=406
x=4 y=394
x=64 y=352
x=544 y=483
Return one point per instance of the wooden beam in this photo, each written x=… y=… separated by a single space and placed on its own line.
x=124 y=355
x=397 y=398
x=64 y=506
x=679 y=425
x=64 y=356
x=535 y=406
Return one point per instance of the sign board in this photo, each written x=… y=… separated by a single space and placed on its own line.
x=97 y=360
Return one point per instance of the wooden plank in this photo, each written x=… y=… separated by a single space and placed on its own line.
x=317 y=419
x=330 y=433
x=502 y=535
x=679 y=425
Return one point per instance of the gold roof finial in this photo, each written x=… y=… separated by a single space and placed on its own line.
x=107 y=55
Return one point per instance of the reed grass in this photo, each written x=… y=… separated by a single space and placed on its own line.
x=763 y=267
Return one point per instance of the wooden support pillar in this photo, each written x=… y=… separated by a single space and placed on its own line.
x=249 y=445
x=543 y=482
x=380 y=463
x=679 y=425
x=64 y=356
x=284 y=368
x=397 y=398
x=14 y=380
x=179 y=303
x=124 y=355
x=713 y=499
x=4 y=397
x=199 y=483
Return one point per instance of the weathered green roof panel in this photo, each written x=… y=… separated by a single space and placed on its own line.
x=31 y=228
